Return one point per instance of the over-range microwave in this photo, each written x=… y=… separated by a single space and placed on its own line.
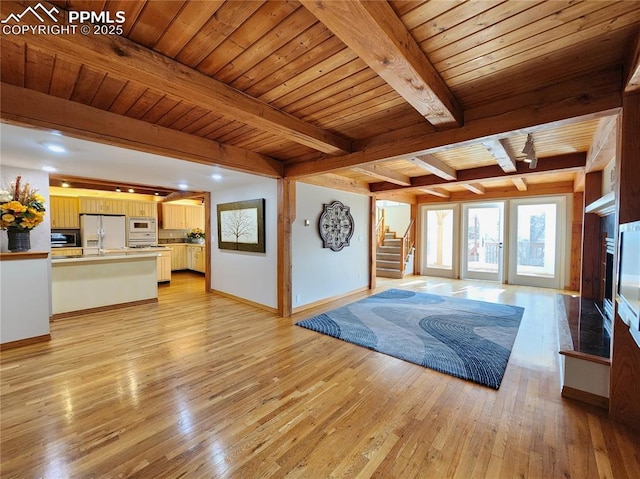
x=142 y=225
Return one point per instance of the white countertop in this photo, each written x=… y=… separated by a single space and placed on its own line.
x=184 y=244
x=141 y=250
x=109 y=257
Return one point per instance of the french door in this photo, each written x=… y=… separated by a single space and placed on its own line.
x=483 y=238
x=441 y=233
x=536 y=242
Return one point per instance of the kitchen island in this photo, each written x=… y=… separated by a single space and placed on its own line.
x=91 y=283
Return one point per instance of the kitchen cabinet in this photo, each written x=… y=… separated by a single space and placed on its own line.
x=194 y=216
x=182 y=217
x=173 y=217
x=196 y=258
x=64 y=211
x=66 y=252
x=147 y=209
x=164 y=266
x=102 y=206
x=178 y=256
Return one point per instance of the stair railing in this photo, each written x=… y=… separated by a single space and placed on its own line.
x=406 y=246
x=380 y=228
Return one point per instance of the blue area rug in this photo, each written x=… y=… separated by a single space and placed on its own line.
x=461 y=337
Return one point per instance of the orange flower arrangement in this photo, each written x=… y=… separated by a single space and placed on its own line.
x=21 y=207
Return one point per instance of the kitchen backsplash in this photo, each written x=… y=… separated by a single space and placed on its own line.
x=171 y=240
x=172 y=236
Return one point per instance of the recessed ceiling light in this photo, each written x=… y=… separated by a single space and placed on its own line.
x=49 y=169
x=65 y=184
x=183 y=186
x=156 y=193
x=118 y=189
x=55 y=148
x=131 y=190
x=216 y=177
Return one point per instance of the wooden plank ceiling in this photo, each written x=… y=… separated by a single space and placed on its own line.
x=395 y=97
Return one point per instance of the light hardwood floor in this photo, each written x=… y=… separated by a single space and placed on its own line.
x=200 y=386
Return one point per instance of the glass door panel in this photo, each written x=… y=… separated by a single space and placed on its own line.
x=439 y=249
x=483 y=226
x=535 y=234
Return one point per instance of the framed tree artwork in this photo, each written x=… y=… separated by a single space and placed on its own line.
x=241 y=226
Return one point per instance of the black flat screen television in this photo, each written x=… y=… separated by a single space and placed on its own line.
x=629 y=277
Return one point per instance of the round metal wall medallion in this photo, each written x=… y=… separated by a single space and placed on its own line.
x=336 y=226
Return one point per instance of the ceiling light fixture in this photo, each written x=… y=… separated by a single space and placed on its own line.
x=55 y=148
x=157 y=194
x=65 y=184
x=183 y=186
x=49 y=169
x=118 y=189
x=131 y=190
x=530 y=150
x=216 y=177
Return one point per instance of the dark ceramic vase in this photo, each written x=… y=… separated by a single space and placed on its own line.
x=19 y=240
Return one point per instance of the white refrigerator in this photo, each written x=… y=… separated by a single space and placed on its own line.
x=102 y=232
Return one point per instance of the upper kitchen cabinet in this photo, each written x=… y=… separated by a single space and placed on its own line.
x=173 y=217
x=142 y=208
x=194 y=216
x=64 y=212
x=102 y=206
x=182 y=217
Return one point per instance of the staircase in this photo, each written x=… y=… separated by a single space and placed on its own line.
x=388 y=256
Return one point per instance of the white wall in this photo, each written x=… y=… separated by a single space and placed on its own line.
x=24 y=299
x=319 y=273
x=34 y=320
x=41 y=235
x=397 y=217
x=252 y=276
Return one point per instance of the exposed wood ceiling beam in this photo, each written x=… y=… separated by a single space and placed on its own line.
x=105 y=185
x=499 y=150
x=439 y=192
x=579 y=181
x=434 y=166
x=385 y=174
x=572 y=101
x=633 y=69
x=127 y=60
x=568 y=162
x=520 y=183
x=182 y=195
x=29 y=107
x=337 y=182
x=603 y=145
x=397 y=57
x=502 y=192
x=399 y=196
x=476 y=188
